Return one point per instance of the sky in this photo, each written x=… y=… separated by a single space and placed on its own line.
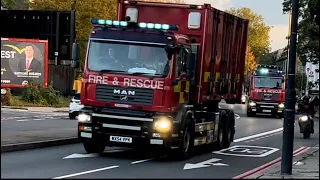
x=271 y=10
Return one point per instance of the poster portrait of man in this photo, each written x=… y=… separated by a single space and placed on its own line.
x=29 y=63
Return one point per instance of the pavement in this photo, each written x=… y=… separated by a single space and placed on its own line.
x=258 y=141
x=305 y=166
x=38 y=109
x=21 y=127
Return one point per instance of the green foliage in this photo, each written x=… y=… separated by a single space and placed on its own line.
x=85 y=11
x=35 y=93
x=308 y=30
x=301 y=79
x=14 y=4
x=258 y=34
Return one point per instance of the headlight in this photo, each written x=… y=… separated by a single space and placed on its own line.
x=243 y=98
x=162 y=124
x=84 y=118
x=252 y=103
x=281 y=105
x=304 y=118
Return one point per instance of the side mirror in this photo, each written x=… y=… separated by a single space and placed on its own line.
x=75 y=55
x=191 y=64
x=170 y=50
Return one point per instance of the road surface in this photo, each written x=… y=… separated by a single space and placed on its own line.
x=71 y=161
x=21 y=126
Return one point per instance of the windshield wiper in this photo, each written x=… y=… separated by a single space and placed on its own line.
x=141 y=73
x=109 y=70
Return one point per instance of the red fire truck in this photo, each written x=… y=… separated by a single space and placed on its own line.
x=155 y=77
x=267 y=91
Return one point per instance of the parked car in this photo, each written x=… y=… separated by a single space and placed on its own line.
x=75 y=106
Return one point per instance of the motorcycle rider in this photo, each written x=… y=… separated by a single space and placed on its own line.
x=308 y=107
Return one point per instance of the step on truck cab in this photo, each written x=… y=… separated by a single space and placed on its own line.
x=155 y=76
x=267 y=91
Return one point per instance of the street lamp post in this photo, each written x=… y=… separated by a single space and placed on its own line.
x=289 y=112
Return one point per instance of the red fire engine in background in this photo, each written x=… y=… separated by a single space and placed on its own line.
x=267 y=91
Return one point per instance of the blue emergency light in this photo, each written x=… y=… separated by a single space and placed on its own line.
x=140 y=25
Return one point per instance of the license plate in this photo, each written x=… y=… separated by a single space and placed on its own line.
x=266 y=110
x=121 y=139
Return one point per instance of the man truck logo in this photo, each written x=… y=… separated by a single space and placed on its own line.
x=124 y=98
x=124 y=92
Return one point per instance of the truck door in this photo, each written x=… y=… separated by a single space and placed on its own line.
x=183 y=84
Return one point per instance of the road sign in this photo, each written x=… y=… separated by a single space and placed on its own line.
x=207 y=163
x=248 y=151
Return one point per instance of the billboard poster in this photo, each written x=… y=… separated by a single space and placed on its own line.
x=23 y=60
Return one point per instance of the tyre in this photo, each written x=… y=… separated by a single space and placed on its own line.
x=72 y=116
x=250 y=114
x=228 y=132
x=218 y=145
x=187 y=144
x=306 y=132
x=91 y=147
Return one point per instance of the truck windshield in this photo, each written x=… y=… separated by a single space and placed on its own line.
x=268 y=82
x=128 y=58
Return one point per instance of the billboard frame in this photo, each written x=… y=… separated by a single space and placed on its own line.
x=45 y=60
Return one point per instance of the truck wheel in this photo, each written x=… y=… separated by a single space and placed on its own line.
x=218 y=145
x=187 y=144
x=92 y=147
x=250 y=114
x=72 y=116
x=228 y=130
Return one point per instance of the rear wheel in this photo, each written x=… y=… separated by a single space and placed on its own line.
x=251 y=114
x=72 y=115
x=224 y=132
x=94 y=147
x=228 y=129
x=306 y=132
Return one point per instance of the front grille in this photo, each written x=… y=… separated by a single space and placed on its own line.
x=115 y=94
x=268 y=96
x=144 y=132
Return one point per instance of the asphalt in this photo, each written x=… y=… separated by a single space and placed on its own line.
x=22 y=126
x=57 y=162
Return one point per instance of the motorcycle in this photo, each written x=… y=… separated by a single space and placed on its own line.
x=306 y=125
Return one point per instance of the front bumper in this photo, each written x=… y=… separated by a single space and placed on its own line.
x=265 y=107
x=130 y=131
x=136 y=141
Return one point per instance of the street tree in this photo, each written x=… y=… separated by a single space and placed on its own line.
x=308 y=30
x=258 y=33
x=14 y=4
x=85 y=11
x=250 y=63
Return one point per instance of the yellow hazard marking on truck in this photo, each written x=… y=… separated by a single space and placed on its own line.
x=187 y=86
x=177 y=88
x=181 y=98
x=206 y=76
x=200 y=141
x=217 y=77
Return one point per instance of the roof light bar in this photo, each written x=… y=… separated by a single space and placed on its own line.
x=157 y=26
x=109 y=22
x=140 y=25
